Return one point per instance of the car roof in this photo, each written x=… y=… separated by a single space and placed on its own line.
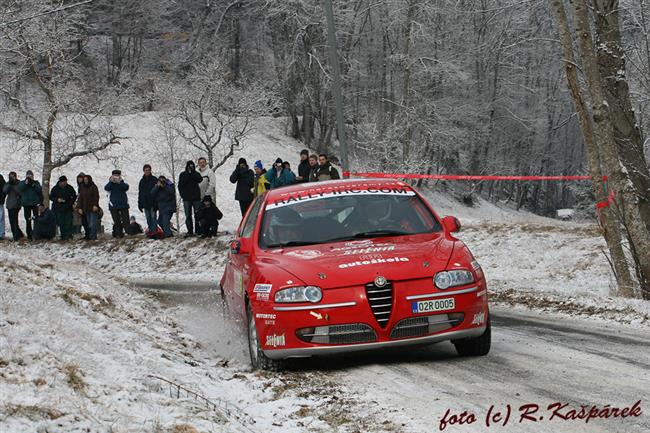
x=334 y=184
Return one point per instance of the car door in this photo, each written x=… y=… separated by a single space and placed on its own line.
x=242 y=262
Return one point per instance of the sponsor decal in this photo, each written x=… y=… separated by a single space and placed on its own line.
x=319 y=316
x=262 y=296
x=274 y=340
x=358 y=244
x=305 y=254
x=479 y=318
x=265 y=316
x=262 y=288
x=373 y=262
x=239 y=283
x=373 y=249
x=338 y=192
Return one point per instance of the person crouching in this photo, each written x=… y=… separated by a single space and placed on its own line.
x=44 y=223
x=209 y=216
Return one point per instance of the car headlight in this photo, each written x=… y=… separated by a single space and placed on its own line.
x=446 y=279
x=311 y=294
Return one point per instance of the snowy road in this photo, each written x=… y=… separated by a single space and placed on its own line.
x=535 y=359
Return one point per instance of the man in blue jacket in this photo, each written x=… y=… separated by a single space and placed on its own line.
x=278 y=176
x=164 y=196
x=118 y=203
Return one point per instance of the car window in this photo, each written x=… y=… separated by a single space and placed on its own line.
x=249 y=225
x=345 y=216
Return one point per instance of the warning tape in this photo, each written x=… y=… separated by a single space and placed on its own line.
x=606 y=203
x=348 y=174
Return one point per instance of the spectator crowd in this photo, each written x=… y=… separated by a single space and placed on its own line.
x=75 y=209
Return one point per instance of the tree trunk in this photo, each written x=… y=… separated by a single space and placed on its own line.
x=626 y=197
x=611 y=59
x=611 y=227
x=47 y=171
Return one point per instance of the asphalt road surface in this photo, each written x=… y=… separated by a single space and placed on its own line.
x=536 y=360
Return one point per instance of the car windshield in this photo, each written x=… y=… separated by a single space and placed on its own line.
x=309 y=220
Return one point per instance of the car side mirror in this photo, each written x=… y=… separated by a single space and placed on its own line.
x=451 y=223
x=240 y=246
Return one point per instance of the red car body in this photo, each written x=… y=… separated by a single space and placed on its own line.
x=353 y=276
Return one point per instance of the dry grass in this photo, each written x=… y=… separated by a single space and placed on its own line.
x=184 y=428
x=39 y=382
x=31 y=412
x=74 y=376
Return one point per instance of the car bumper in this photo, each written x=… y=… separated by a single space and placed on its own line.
x=305 y=352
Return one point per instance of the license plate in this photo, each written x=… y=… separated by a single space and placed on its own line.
x=435 y=305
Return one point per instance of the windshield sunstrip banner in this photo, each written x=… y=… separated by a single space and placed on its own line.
x=318 y=195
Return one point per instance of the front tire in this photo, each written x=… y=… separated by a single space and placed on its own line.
x=477 y=346
x=259 y=361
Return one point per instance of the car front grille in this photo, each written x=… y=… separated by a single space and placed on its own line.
x=381 y=302
x=338 y=334
x=425 y=325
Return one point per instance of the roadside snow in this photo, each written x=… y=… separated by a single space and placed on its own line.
x=81 y=351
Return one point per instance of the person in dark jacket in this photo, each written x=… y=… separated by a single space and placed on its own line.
x=31 y=195
x=134 y=228
x=188 y=187
x=44 y=223
x=2 y=207
x=313 y=168
x=12 y=204
x=209 y=216
x=278 y=176
x=245 y=180
x=325 y=170
x=164 y=195
x=146 y=202
x=78 y=219
x=303 y=167
x=63 y=197
x=118 y=203
x=88 y=206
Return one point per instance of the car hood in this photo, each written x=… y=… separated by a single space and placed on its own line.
x=359 y=262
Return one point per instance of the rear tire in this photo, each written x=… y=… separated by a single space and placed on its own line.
x=259 y=361
x=477 y=346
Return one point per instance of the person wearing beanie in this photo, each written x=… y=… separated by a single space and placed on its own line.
x=278 y=176
x=44 y=223
x=260 y=184
x=31 y=194
x=190 y=191
x=10 y=191
x=244 y=177
x=118 y=203
x=209 y=216
x=303 y=167
x=208 y=183
x=63 y=197
x=133 y=228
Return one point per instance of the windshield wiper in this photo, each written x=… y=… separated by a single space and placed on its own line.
x=378 y=233
x=293 y=244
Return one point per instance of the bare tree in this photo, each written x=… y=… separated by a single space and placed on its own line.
x=48 y=96
x=215 y=114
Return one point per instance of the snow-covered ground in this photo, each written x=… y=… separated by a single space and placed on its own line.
x=84 y=348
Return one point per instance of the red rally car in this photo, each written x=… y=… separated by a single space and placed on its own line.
x=340 y=266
